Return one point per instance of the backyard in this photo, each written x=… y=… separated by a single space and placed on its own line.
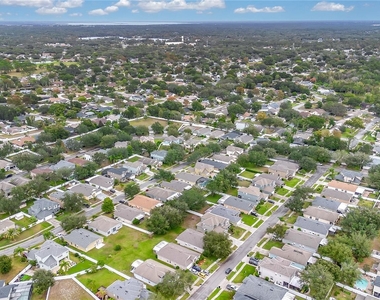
x=248 y=174
x=100 y=278
x=17 y=267
x=213 y=198
x=341 y=294
x=68 y=289
x=232 y=192
x=133 y=159
x=244 y=183
x=24 y=222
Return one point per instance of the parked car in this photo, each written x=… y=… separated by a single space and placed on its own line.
x=271 y=201
x=86 y=205
x=254 y=214
x=253 y=261
x=231 y=287
x=122 y=201
x=228 y=271
x=197 y=268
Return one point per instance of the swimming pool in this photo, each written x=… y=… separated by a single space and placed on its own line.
x=361 y=284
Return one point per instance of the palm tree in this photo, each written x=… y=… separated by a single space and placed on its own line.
x=102 y=293
x=18 y=251
x=64 y=265
x=12 y=233
x=48 y=235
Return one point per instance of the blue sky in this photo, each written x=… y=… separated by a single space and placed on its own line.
x=186 y=10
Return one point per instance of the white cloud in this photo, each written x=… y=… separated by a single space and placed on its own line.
x=75 y=15
x=253 y=9
x=51 y=10
x=70 y=3
x=152 y=6
x=111 y=9
x=124 y=3
x=331 y=6
x=135 y=11
x=32 y=3
x=98 y=12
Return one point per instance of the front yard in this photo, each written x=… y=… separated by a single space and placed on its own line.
x=271 y=243
x=245 y=272
x=263 y=208
x=292 y=182
x=248 y=219
x=282 y=191
x=142 y=176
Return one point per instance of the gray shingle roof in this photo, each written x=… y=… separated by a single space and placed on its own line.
x=312 y=225
x=130 y=289
x=239 y=203
x=215 y=164
x=325 y=203
x=230 y=214
x=82 y=237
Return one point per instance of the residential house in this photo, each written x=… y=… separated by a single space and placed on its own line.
x=40 y=171
x=312 y=226
x=321 y=214
x=350 y=176
x=120 y=174
x=101 y=182
x=337 y=195
x=127 y=214
x=331 y=205
x=123 y=144
x=177 y=255
x=223 y=158
x=191 y=239
x=202 y=169
x=43 y=208
x=300 y=138
x=239 y=204
x=89 y=155
x=18 y=180
x=279 y=271
x=105 y=225
x=212 y=222
x=22 y=142
x=159 y=155
x=150 y=271
x=6 y=165
x=302 y=240
x=256 y=288
x=83 y=239
x=189 y=178
x=231 y=135
x=87 y=190
x=78 y=161
x=245 y=139
x=136 y=168
x=234 y=151
x=49 y=255
x=150 y=162
x=376 y=287
x=216 y=134
x=62 y=164
x=171 y=140
x=283 y=169
x=300 y=258
x=16 y=291
x=130 y=289
x=192 y=143
x=343 y=186
x=58 y=195
x=232 y=215
x=175 y=185
x=144 y=203
x=252 y=194
x=218 y=166
x=205 y=131
x=5 y=225
x=267 y=183
x=161 y=194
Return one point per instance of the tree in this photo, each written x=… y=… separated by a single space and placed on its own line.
x=319 y=279
x=295 y=204
x=107 y=206
x=337 y=251
x=99 y=158
x=73 y=145
x=64 y=265
x=374 y=177
x=131 y=189
x=18 y=251
x=217 y=245
x=108 y=141
x=12 y=233
x=278 y=232
x=350 y=273
x=73 y=221
x=5 y=264
x=175 y=283
x=197 y=106
x=173 y=156
x=164 y=175
x=362 y=220
x=359 y=243
x=308 y=164
x=157 y=128
x=164 y=218
x=194 y=198
x=149 y=146
x=42 y=280
x=86 y=171
x=73 y=202
x=141 y=130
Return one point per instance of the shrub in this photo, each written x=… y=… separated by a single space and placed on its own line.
x=136 y=222
x=117 y=248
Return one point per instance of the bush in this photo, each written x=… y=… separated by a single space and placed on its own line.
x=136 y=222
x=117 y=248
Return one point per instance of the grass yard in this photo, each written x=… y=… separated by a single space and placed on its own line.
x=24 y=222
x=26 y=234
x=246 y=271
x=237 y=232
x=319 y=188
x=341 y=294
x=366 y=203
x=258 y=255
x=134 y=245
x=232 y=192
x=213 y=198
x=248 y=174
x=292 y=182
x=133 y=159
x=213 y=294
x=102 y=277
x=248 y=219
x=246 y=236
x=68 y=289
x=282 y=191
x=258 y=224
x=142 y=176
x=291 y=218
x=80 y=266
x=261 y=242
x=231 y=275
x=148 y=122
x=244 y=183
x=262 y=209
x=17 y=267
x=271 y=243
x=226 y=295
x=269 y=212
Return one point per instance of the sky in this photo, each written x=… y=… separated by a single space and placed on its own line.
x=100 y=11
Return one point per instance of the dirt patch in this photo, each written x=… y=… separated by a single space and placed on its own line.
x=67 y=290
x=376 y=243
x=191 y=221
x=203 y=210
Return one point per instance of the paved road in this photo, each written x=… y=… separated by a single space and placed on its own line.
x=206 y=289
x=359 y=136
x=29 y=243
x=317 y=174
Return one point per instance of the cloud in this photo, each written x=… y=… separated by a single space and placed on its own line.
x=111 y=9
x=135 y=11
x=75 y=15
x=331 y=6
x=152 y=6
x=124 y=3
x=70 y=3
x=32 y=3
x=253 y=9
x=51 y=10
x=98 y=12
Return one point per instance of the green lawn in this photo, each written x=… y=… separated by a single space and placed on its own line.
x=133 y=159
x=248 y=219
x=248 y=174
x=213 y=294
x=269 y=212
x=271 y=243
x=319 y=188
x=244 y=183
x=231 y=275
x=134 y=245
x=102 y=277
x=261 y=242
x=246 y=271
x=292 y=182
x=142 y=176
x=282 y=191
x=226 y=295
x=259 y=255
x=24 y=222
x=291 y=219
x=81 y=266
x=232 y=192
x=258 y=224
x=148 y=122
x=237 y=232
x=262 y=209
x=17 y=267
x=366 y=203
x=26 y=234
x=213 y=198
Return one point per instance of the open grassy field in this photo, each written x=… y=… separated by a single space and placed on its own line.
x=102 y=277
x=148 y=122
x=68 y=289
